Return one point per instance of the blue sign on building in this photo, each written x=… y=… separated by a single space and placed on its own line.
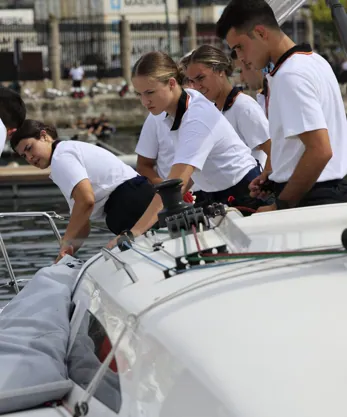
x=115 y=4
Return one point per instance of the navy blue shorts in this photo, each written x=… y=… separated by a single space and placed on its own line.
x=127 y=203
x=239 y=193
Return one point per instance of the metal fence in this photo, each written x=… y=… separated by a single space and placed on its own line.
x=95 y=45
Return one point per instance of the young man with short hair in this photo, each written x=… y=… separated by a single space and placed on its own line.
x=307 y=117
x=12 y=114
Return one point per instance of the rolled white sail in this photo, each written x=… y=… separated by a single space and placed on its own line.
x=285 y=8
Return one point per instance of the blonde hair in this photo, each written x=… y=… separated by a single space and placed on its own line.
x=182 y=67
x=212 y=57
x=159 y=66
x=184 y=61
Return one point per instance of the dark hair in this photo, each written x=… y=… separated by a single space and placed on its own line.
x=31 y=129
x=12 y=108
x=212 y=57
x=159 y=66
x=243 y=15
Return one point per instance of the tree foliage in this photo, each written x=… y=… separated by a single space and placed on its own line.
x=321 y=12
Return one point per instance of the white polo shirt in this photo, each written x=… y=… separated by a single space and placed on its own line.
x=77 y=73
x=261 y=101
x=250 y=123
x=203 y=138
x=154 y=144
x=305 y=96
x=75 y=161
x=3 y=136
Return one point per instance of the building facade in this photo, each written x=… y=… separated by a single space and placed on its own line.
x=109 y=11
x=136 y=11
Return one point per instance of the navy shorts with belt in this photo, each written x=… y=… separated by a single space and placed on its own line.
x=127 y=203
x=239 y=192
x=326 y=192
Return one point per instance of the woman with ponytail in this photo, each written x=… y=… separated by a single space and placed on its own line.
x=206 y=147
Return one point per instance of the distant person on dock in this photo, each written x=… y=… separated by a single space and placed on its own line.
x=12 y=114
x=103 y=127
x=77 y=74
x=95 y=183
x=79 y=124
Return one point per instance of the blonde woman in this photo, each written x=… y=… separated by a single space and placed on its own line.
x=207 y=148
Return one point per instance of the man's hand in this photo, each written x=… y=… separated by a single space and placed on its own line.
x=65 y=249
x=313 y=161
x=255 y=186
x=264 y=209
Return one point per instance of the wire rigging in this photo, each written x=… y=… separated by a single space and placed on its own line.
x=126 y=244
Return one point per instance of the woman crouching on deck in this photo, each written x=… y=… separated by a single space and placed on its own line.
x=206 y=147
x=94 y=182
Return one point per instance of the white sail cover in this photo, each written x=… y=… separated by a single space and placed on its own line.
x=283 y=9
x=34 y=334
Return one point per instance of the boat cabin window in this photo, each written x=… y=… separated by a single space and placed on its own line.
x=90 y=349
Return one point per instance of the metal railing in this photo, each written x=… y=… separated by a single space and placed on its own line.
x=118 y=261
x=48 y=215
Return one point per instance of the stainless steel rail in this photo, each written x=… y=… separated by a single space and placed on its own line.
x=48 y=215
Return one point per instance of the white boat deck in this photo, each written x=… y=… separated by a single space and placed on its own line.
x=263 y=336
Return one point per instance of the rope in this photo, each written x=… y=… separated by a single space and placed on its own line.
x=240 y=208
x=243 y=208
x=183 y=234
x=146 y=256
x=196 y=239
